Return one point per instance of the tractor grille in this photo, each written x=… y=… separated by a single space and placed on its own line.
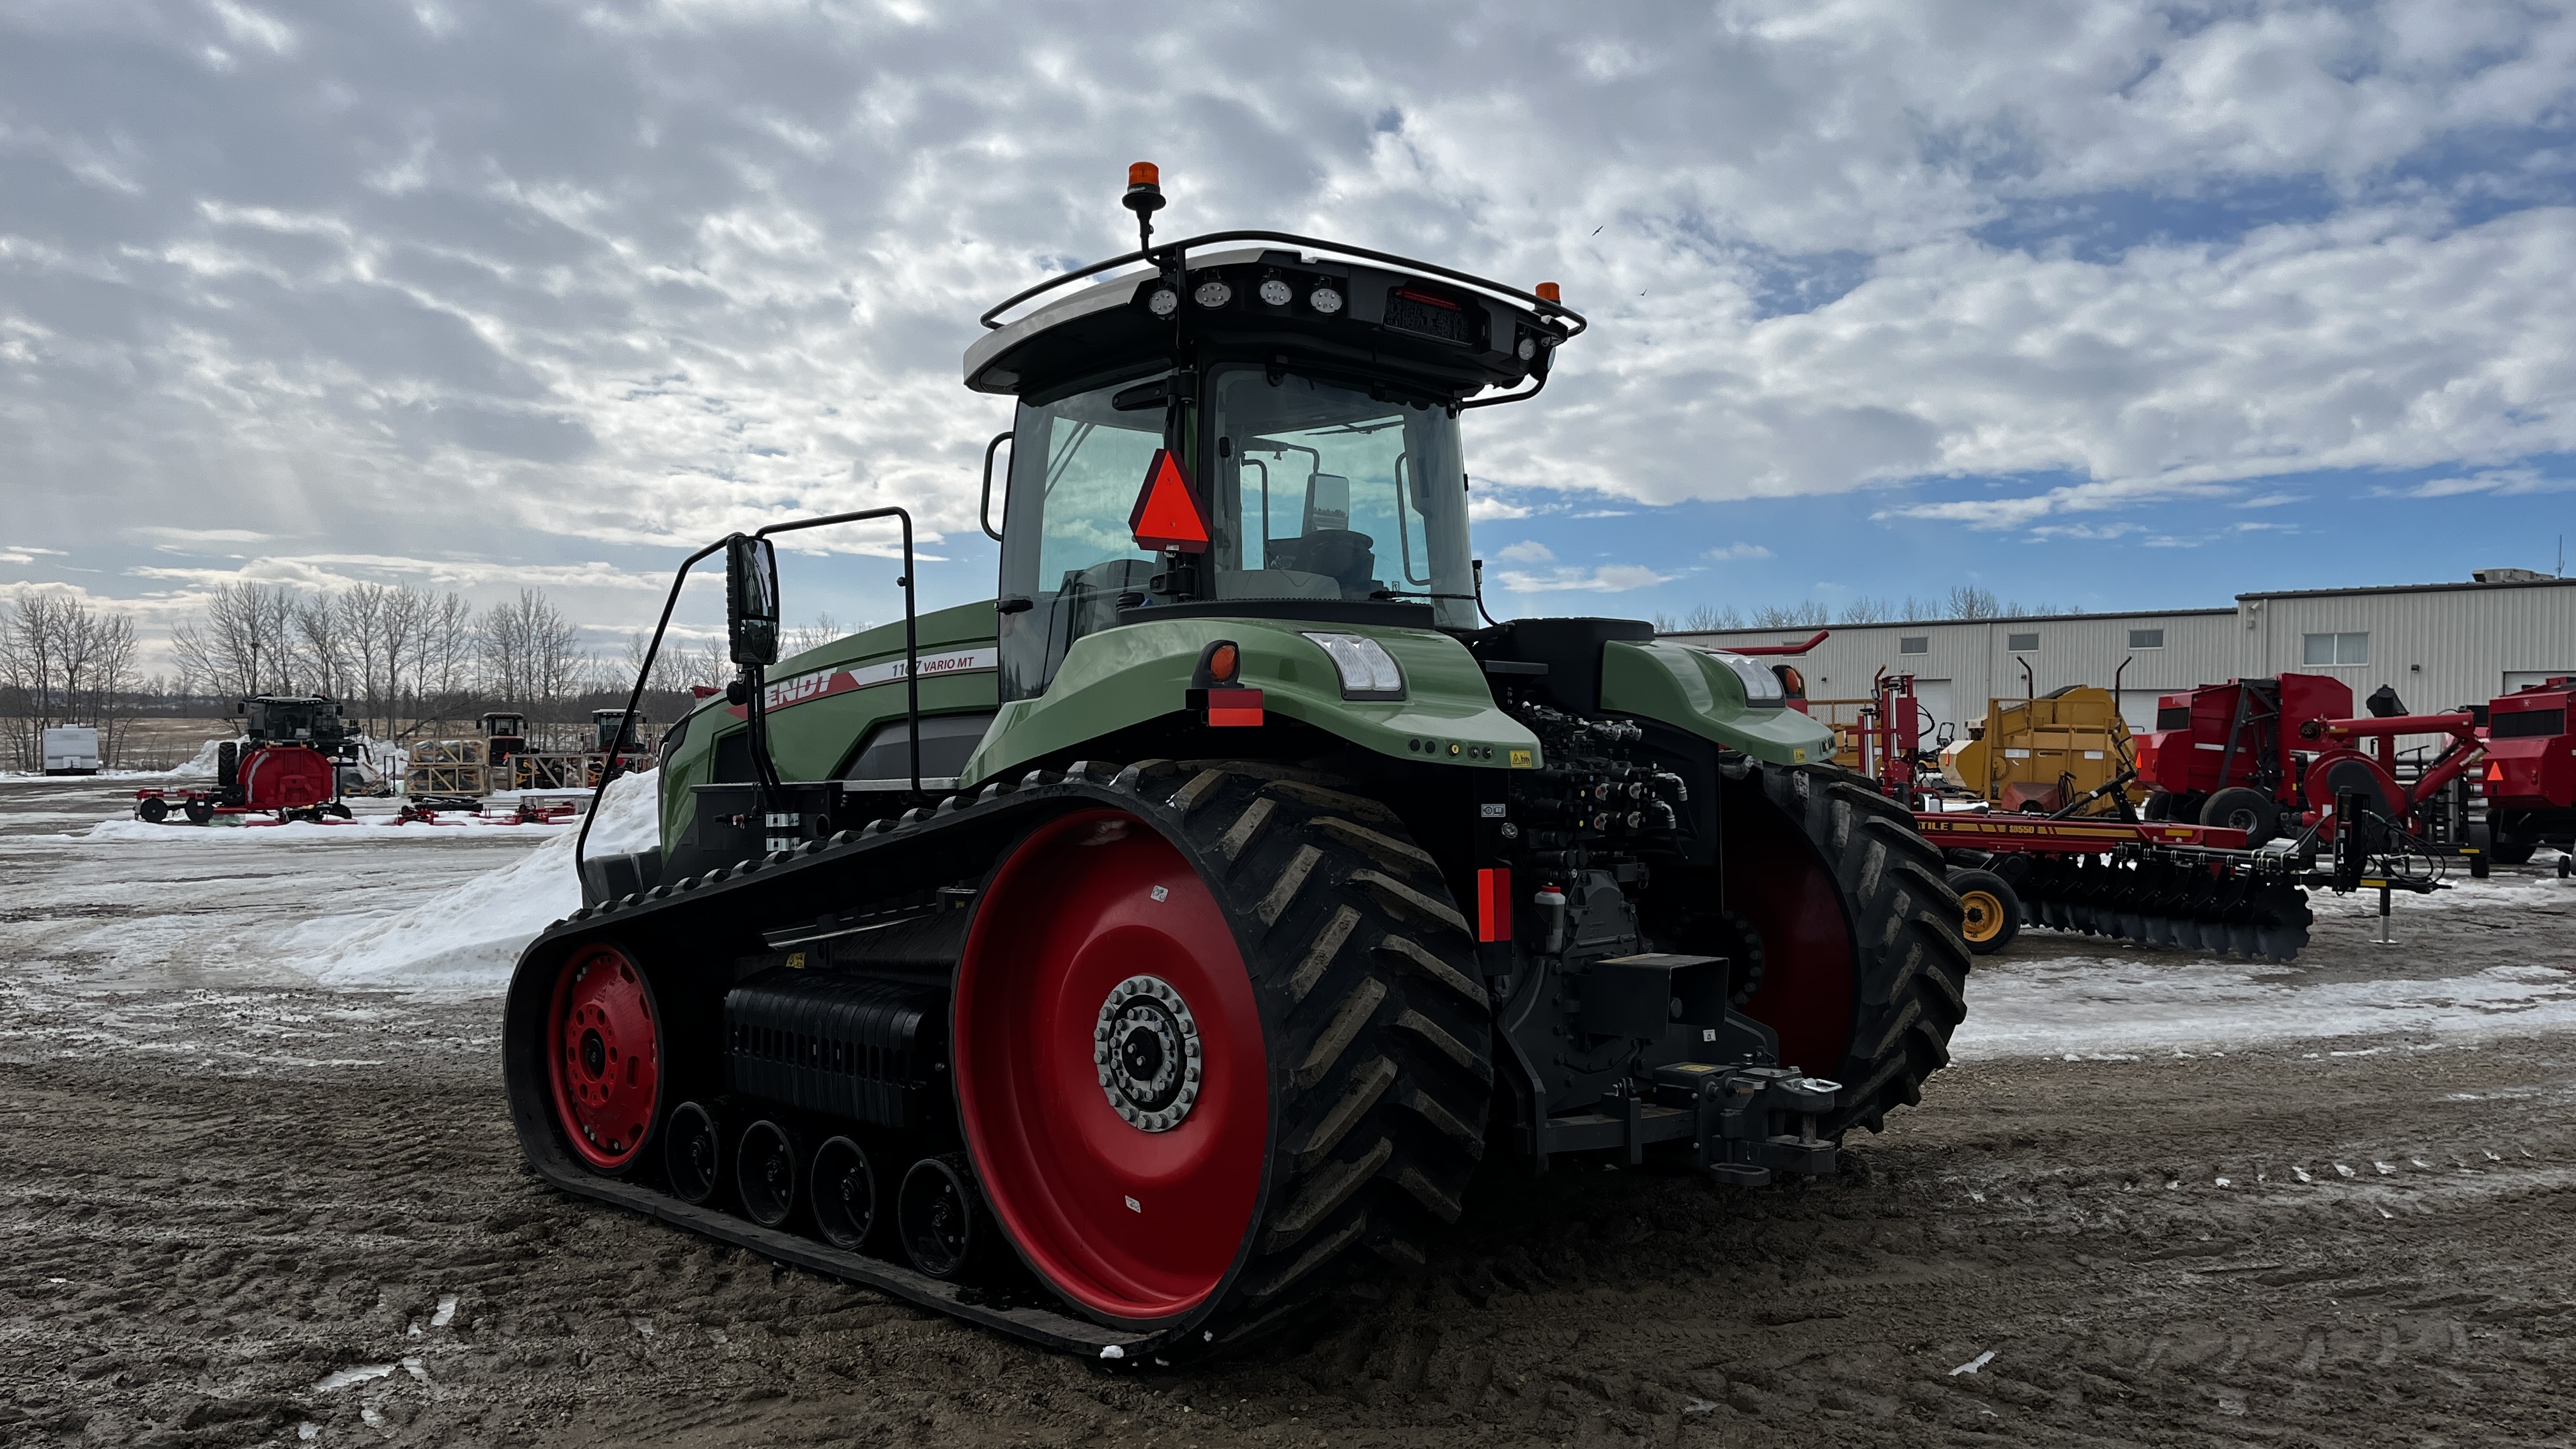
x=830 y=1042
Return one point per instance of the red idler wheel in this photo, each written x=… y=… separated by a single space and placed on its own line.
x=604 y=1043
x=1112 y=1077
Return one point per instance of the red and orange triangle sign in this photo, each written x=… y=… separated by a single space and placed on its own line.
x=1166 y=514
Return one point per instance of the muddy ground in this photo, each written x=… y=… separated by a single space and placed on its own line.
x=238 y=1210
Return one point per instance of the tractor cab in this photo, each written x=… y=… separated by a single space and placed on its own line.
x=1246 y=423
x=607 y=724
x=505 y=735
x=310 y=720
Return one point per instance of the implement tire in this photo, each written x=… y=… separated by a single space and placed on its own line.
x=1990 y=910
x=1864 y=968
x=1286 y=941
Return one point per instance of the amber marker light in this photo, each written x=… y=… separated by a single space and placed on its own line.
x=1547 y=291
x=1223 y=661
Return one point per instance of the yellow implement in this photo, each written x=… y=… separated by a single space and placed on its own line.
x=2038 y=754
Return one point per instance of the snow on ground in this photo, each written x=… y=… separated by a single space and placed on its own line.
x=2092 y=1006
x=381 y=825
x=467 y=937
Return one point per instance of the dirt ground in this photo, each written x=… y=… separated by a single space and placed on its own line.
x=239 y=1210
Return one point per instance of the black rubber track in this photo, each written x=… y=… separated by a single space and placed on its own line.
x=1381 y=1032
x=1912 y=961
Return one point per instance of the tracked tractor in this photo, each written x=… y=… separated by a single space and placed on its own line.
x=1123 y=961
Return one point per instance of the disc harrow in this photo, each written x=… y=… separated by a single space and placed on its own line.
x=2194 y=905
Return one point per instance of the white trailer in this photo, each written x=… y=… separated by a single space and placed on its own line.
x=72 y=750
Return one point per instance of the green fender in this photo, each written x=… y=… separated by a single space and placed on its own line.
x=1693 y=690
x=1137 y=672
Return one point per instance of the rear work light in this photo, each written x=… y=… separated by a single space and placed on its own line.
x=1367 y=670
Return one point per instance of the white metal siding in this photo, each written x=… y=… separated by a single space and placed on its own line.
x=2441 y=647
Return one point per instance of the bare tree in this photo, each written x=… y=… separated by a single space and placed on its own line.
x=1967 y=601
x=1790 y=616
x=240 y=644
x=1866 y=610
x=64 y=663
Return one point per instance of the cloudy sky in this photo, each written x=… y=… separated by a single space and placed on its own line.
x=2111 y=305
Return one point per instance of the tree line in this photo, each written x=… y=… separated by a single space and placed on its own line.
x=404 y=662
x=64 y=663
x=1963 y=601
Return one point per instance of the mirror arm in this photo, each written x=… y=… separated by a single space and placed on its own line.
x=634 y=700
x=911 y=622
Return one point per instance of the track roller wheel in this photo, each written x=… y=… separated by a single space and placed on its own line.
x=605 y=1048
x=845 y=1193
x=1211 y=1048
x=764 y=1173
x=1864 y=967
x=693 y=1152
x=1990 y=910
x=936 y=1215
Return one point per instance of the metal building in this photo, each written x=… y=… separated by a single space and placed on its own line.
x=2438 y=645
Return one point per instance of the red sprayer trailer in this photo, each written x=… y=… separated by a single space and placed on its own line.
x=285 y=766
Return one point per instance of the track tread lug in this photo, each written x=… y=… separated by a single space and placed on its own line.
x=1324 y=1191
x=1338 y=1035
x=1290 y=882
x=1403 y=900
x=1367 y=1084
x=1245 y=826
x=1386 y=850
x=1412 y=954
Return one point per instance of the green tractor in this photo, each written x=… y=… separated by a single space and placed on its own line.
x=1120 y=962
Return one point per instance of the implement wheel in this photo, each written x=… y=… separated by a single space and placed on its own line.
x=1209 y=1049
x=1864 y=970
x=1990 y=910
x=604 y=1043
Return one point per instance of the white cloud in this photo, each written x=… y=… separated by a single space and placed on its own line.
x=380 y=303
x=1737 y=551
x=1531 y=551
x=1608 y=579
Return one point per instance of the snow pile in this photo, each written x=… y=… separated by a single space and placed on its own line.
x=468 y=937
x=203 y=766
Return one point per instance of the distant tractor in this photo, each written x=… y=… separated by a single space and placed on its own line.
x=286 y=765
x=1122 y=961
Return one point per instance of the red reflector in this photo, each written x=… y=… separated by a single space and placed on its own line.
x=1411 y=295
x=1493 y=904
x=1229 y=708
x=1166 y=514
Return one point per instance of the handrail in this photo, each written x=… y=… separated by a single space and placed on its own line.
x=634 y=701
x=984 y=512
x=1532 y=300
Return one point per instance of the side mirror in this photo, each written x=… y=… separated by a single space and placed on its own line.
x=751 y=599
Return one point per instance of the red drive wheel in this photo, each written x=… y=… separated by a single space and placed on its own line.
x=604 y=1045
x=1112 y=1076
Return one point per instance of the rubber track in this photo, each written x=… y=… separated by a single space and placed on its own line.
x=1380 y=1033
x=1913 y=966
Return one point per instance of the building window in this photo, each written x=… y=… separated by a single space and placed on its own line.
x=2146 y=638
x=2021 y=643
x=1913 y=643
x=2336 y=649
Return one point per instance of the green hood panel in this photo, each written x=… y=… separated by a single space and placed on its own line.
x=1690 y=690
x=826 y=699
x=1137 y=672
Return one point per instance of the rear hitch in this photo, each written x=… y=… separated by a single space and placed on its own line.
x=1752 y=1122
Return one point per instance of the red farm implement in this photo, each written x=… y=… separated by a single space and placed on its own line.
x=2530 y=780
x=286 y=766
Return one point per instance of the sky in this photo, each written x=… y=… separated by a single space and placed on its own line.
x=2095 y=305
